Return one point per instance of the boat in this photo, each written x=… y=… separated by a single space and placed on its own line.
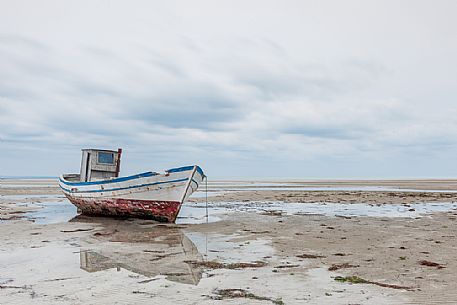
x=99 y=190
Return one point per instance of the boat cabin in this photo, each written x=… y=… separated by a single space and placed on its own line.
x=100 y=164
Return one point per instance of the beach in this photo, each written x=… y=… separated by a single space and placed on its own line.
x=263 y=242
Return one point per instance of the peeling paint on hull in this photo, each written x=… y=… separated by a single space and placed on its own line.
x=165 y=211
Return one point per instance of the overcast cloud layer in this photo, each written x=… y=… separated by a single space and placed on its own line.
x=304 y=89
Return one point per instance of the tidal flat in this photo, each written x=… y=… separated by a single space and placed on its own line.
x=263 y=242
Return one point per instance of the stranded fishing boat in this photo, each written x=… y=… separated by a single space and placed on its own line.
x=98 y=189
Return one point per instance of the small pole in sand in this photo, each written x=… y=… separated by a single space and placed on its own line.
x=206 y=196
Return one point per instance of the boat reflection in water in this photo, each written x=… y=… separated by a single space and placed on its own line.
x=144 y=248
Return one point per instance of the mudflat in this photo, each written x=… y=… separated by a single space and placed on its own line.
x=264 y=242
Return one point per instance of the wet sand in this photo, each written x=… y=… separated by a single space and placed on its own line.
x=270 y=245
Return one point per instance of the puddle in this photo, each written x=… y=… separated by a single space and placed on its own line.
x=239 y=186
x=63 y=211
x=147 y=251
x=312 y=188
x=142 y=250
x=61 y=274
x=195 y=213
x=333 y=209
x=64 y=274
x=175 y=270
x=52 y=212
x=138 y=261
x=122 y=251
x=224 y=248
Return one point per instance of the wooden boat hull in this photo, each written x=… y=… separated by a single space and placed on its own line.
x=165 y=211
x=146 y=195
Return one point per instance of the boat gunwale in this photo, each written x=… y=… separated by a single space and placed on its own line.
x=120 y=179
x=132 y=177
x=126 y=187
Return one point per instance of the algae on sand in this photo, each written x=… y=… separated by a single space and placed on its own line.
x=358 y=280
x=241 y=293
x=351 y=279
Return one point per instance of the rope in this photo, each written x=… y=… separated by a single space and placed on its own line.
x=206 y=196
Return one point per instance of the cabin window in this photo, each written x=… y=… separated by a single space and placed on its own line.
x=105 y=158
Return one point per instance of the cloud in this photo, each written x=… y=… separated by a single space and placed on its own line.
x=250 y=93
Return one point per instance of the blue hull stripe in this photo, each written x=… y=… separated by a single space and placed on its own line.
x=125 y=188
x=185 y=168
x=142 y=175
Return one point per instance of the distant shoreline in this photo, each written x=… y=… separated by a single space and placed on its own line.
x=27 y=177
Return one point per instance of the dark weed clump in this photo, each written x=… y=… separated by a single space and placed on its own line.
x=351 y=279
x=222 y=294
x=431 y=264
x=358 y=280
x=335 y=267
x=217 y=265
x=304 y=255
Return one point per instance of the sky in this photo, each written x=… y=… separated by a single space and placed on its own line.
x=246 y=89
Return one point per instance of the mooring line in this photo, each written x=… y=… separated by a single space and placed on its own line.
x=206 y=196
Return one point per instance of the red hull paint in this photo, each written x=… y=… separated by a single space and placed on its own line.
x=165 y=211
